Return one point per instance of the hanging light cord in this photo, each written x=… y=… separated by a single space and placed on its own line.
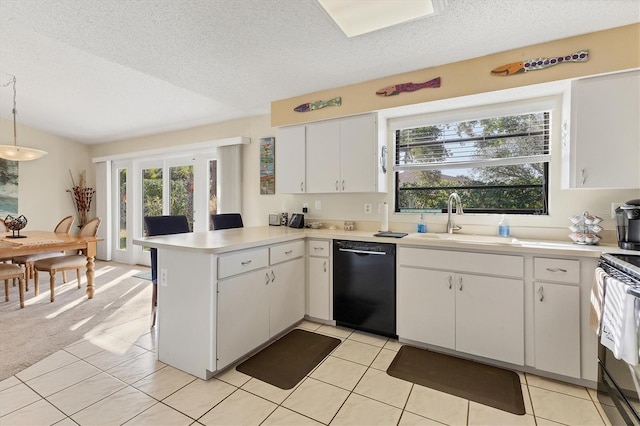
x=13 y=81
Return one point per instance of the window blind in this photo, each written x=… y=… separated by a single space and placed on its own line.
x=498 y=141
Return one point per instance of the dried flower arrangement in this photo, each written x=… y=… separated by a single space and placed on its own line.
x=82 y=197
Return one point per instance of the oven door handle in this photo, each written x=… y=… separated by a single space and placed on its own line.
x=635 y=292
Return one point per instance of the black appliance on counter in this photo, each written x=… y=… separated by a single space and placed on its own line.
x=618 y=381
x=628 y=225
x=364 y=286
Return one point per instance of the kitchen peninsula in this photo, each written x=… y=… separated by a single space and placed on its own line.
x=223 y=294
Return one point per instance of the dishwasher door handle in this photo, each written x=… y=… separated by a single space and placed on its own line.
x=362 y=251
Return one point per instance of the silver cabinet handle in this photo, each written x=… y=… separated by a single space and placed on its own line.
x=460 y=283
x=301 y=186
x=450 y=279
x=541 y=293
x=556 y=270
x=584 y=176
x=324 y=266
x=245 y=263
x=288 y=252
x=318 y=248
x=336 y=185
x=273 y=276
x=267 y=277
x=343 y=185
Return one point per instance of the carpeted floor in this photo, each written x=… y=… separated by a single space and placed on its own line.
x=42 y=328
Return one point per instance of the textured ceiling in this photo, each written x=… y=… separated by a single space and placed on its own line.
x=102 y=70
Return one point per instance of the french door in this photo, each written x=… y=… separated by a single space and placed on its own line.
x=183 y=185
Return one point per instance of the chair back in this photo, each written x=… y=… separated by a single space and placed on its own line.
x=90 y=229
x=166 y=225
x=64 y=226
x=227 y=221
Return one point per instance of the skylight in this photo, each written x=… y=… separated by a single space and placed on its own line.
x=357 y=17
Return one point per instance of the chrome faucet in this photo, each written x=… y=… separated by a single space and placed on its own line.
x=450 y=226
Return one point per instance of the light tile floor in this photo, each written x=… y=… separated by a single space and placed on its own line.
x=98 y=380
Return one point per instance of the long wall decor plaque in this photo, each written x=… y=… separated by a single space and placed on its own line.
x=267 y=166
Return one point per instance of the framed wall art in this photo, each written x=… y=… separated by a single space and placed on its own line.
x=267 y=166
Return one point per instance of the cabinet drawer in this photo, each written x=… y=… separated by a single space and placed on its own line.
x=245 y=261
x=560 y=270
x=318 y=248
x=287 y=251
x=458 y=261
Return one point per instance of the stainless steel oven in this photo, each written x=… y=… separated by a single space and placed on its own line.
x=618 y=380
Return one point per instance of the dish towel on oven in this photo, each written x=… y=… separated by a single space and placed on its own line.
x=619 y=321
x=597 y=293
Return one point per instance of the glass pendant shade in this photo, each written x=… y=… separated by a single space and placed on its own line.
x=15 y=152
x=20 y=153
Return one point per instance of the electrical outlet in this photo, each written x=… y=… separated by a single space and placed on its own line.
x=164 y=277
x=614 y=206
x=305 y=208
x=318 y=205
x=367 y=208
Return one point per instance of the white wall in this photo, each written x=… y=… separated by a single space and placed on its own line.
x=43 y=199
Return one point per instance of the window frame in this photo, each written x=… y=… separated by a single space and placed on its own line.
x=521 y=107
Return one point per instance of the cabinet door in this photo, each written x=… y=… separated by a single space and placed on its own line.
x=323 y=157
x=557 y=328
x=243 y=315
x=290 y=160
x=606 y=131
x=318 y=296
x=286 y=295
x=490 y=317
x=426 y=306
x=358 y=156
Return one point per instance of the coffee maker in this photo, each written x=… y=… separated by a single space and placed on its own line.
x=628 y=225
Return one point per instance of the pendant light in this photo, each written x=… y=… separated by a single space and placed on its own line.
x=15 y=152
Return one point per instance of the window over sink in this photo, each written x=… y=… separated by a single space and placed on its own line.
x=496 y=159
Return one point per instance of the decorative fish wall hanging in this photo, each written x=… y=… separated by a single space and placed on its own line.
x=408 y=87
x=317 y=105
x=539 y=63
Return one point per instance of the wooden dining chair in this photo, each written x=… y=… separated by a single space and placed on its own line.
x=161 y=225
x=227 y=221
x=9 y=271
x=68 y=262
x=27 y=261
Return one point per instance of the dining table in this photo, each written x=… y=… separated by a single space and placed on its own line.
x=33 y=242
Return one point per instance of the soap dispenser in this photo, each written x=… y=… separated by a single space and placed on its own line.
x=422 y=225
x=503 y=226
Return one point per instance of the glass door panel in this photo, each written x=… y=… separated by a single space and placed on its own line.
x=181 y=192
x=213 y=190
x=152 y=193
x=122 y=209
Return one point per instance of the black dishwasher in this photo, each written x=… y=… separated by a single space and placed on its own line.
x=364 y=286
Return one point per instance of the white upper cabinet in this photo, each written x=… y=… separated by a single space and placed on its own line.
x=340 y=155
x=323 y=157
x=290 y=160
x=605 y=132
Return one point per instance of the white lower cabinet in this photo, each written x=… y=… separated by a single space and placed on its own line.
x=472 y=313
x=286 y=295
x=318 y=280
x=243 y=315
x=557 y=317
x=257 y=305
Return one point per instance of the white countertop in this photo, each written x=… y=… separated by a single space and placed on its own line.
x=222 y=241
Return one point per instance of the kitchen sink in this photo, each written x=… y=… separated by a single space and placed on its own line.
x=468 y=238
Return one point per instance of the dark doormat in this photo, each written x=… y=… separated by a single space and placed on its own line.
x=482 y=383
x=287 y=360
